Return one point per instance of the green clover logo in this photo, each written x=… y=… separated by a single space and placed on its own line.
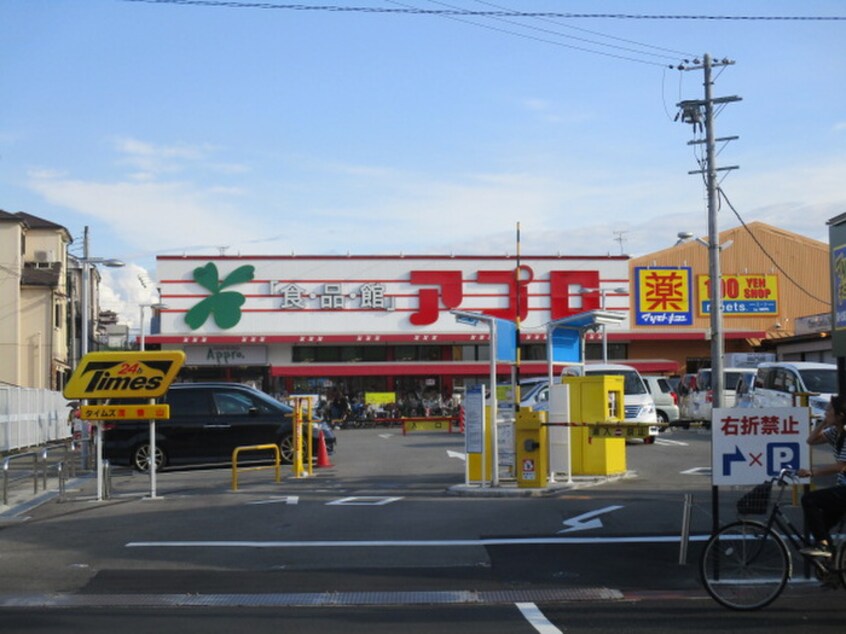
x=225 y=306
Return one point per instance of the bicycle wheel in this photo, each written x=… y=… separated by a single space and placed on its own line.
x=840 y=561
x=744 y=566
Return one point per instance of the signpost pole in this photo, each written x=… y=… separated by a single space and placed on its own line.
x=99 y=425
x=153 y=495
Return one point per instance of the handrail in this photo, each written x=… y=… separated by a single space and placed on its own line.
x=39 y=467
x=277 y=462
x=7 y=463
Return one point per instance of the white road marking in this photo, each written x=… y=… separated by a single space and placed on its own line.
x=536 y=618
x=411 y=543
x=363 y=500
x=288 y=499
x=386 y=436
x=703 y=471
x=456 y=454
x=667 y=441
x=588 y=520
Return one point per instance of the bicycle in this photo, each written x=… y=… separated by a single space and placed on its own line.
x=746 y=564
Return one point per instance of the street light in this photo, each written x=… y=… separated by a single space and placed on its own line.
x=472 y=319
x=86 y=263
x=153 y=306
x=602 y=294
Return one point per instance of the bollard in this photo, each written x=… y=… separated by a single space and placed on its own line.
x=685 y=532
x=60 y=472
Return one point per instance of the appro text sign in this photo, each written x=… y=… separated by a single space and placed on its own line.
x=124 y=374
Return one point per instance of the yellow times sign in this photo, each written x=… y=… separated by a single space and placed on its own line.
x=124 y=412
x=124 y=374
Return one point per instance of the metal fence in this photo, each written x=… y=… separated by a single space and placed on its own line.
x=30 y=417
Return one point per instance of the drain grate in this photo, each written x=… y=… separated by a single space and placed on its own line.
x=310 y=599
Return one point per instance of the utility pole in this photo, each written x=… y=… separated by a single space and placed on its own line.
x=692 y=112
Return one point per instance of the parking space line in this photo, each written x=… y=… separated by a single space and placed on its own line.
x=536 y=618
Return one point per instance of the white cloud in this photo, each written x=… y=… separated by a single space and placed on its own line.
x=124 y=290
x=151 y=216
x=566 y=208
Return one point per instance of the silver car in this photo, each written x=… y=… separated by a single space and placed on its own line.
x=666 y=399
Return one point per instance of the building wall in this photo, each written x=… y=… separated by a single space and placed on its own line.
x=803 y=288
x=33 y=297
x=11 y=263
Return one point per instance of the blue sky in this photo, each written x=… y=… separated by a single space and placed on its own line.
x=171 y=128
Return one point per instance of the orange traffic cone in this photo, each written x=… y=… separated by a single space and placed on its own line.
x=322 y=453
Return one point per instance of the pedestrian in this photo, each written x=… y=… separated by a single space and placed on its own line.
x=824 y=507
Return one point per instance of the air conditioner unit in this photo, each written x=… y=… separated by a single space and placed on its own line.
x=45 y=256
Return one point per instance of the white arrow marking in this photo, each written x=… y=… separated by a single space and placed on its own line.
x=386 y=436
x=288 y=499
x=456 y=454
x=586 y=521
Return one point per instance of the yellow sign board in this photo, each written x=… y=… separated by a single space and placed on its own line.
x=605 y=430
x=124 y=374
x=124 y=412
x=742 y=295
x=434 y=424
x=380 y=398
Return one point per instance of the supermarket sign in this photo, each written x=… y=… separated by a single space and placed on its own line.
x=751 y=445
x=742 y=295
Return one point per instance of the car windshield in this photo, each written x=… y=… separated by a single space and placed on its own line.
x=632 y=383
x=823 y=380
x=731 y=380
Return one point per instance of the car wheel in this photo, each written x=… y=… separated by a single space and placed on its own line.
x=662 y=417
x=649 y=440
x=286 y=448
x=142 y=457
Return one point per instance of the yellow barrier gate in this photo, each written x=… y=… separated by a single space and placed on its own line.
x=298 y=425
x=277 y=462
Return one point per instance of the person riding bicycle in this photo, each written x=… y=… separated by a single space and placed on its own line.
x=824 y=507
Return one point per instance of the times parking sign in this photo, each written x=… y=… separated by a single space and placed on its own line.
x=751 y=445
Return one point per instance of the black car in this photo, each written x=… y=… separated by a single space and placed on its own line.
x=207 y=422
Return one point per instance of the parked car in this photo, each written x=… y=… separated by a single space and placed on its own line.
x=685 y=389
x=637 y=403
x=207 y=422
x=777 y=384
x=702 y=397
x=666 y=400
x=744 y=392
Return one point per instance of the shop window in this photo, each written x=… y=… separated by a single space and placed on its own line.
x=358 y=354
x=431 y=353
x=533 y=352
x=328 y=354
x=406 y=353
x=304 y=354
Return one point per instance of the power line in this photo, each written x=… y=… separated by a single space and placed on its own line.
x=767 y=253
x=604 y=35
x=490 y=27
x=233 y=4
x=573 y=37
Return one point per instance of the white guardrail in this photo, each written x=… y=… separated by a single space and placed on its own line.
x=30 y=417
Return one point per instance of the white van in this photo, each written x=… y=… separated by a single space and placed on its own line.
x=777 y=382
x=637 y=402
x=702 y=397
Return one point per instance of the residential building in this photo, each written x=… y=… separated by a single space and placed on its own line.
x=34 y=321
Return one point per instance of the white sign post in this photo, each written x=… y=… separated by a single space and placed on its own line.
x=751 y=445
